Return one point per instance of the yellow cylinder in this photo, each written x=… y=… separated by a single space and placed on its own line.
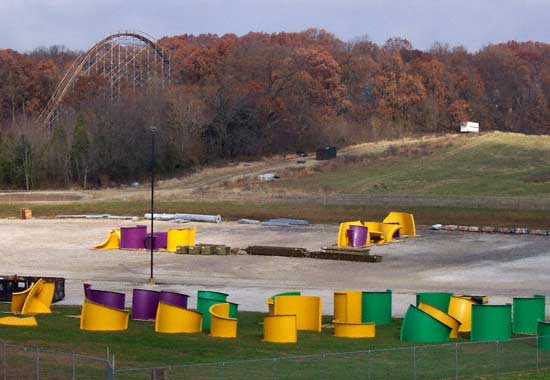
x=221 y=326
x=280 y=329
x=354 y=330
x=306 y=308
x=347 y=306
x=460 y=308
x=97 y=317
x=173 y=319
x=180 y=236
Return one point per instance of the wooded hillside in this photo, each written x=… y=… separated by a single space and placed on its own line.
x=234 y=97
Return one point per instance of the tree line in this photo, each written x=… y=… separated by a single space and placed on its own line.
x=258 y=94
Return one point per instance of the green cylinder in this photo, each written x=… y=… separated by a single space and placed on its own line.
x=527 y=312
x=491 y=322
x=543 y=335
x=205 y=299
x=233 y=309
x=376 y=307
x=420 y=327
x=436 y=299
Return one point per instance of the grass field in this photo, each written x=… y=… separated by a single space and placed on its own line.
x=315 y=355
x=494 y=164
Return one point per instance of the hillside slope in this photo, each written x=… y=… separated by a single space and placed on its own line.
x=492 y=164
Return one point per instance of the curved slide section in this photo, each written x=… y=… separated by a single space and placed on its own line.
x=307 y=310
x=221 y=325
x=112 y=241
x=97 y=317
x=420 y=327
x=460 y=308
x=442 y=317
x=174 y=320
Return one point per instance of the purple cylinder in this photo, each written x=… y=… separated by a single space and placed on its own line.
x=173 y=298
x=107 y=298
x=133 y=237
x=144 y=304
x=162 y=239
x=357 y=235
x=148 y=239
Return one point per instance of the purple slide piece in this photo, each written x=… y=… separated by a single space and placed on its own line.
x=175 y=299
x=105 y=297
x=144 y=304
x=133 y=237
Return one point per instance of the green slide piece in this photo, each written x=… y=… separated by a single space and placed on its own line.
x=527 y=312
x=420 y=327
x=376 y=307
x=233 y=309
x=436 y=299
x=205 y=299
x=543 y=335
x=491 y=322
x=292 y=293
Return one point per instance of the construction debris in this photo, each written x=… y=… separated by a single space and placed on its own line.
x=285 y=222
x=361 y=254
x=489 y=229
x=186 y=217
x=248 y=221
x=204 y=249
x=25 y=213
x=97 y=216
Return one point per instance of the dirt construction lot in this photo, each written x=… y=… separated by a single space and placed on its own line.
x=500 y=266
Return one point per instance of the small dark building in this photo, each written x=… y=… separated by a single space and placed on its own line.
x=327 y=153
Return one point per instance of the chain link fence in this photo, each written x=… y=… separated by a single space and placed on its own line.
x=465 y=360
x=31 y=363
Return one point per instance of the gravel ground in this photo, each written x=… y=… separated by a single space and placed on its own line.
x=500 y=266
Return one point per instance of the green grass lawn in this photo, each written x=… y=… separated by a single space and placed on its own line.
x=494 y=164
x=315 y=355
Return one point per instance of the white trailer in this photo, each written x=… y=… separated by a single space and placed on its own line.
x=469 y=127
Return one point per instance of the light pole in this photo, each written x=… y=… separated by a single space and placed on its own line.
x=153 y=131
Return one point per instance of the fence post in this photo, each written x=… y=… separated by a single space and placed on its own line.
x=274 y=368
x=368 y=365
x=456 y=361
x=223 y=371
x=74 y=366
x=414 y=362
x=538 y=354
x=498 y=362
x=37 y=364
x=5 y=360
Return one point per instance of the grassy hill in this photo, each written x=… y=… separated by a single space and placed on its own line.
x=492 y=164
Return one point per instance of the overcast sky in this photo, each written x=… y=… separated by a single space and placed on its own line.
x=78 y=24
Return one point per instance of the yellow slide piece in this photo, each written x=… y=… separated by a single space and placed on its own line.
x=347 y=306
x=40 y=298
x=442 y=317
x=180 y=236
x=18 y=300
x=354 y=330
x=173 y=320
x=37 y=299
x=306 y=308
x=112 y=241
x=405 y=221
x=376 y=233
x=388 y=231
x=461 y=309
x=97 y=317
x=342 y=239
x=280 y=329
x=221 y=326
x=269 y=300
x=16 y=321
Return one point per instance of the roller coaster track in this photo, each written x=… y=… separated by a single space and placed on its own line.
x=114 y=58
